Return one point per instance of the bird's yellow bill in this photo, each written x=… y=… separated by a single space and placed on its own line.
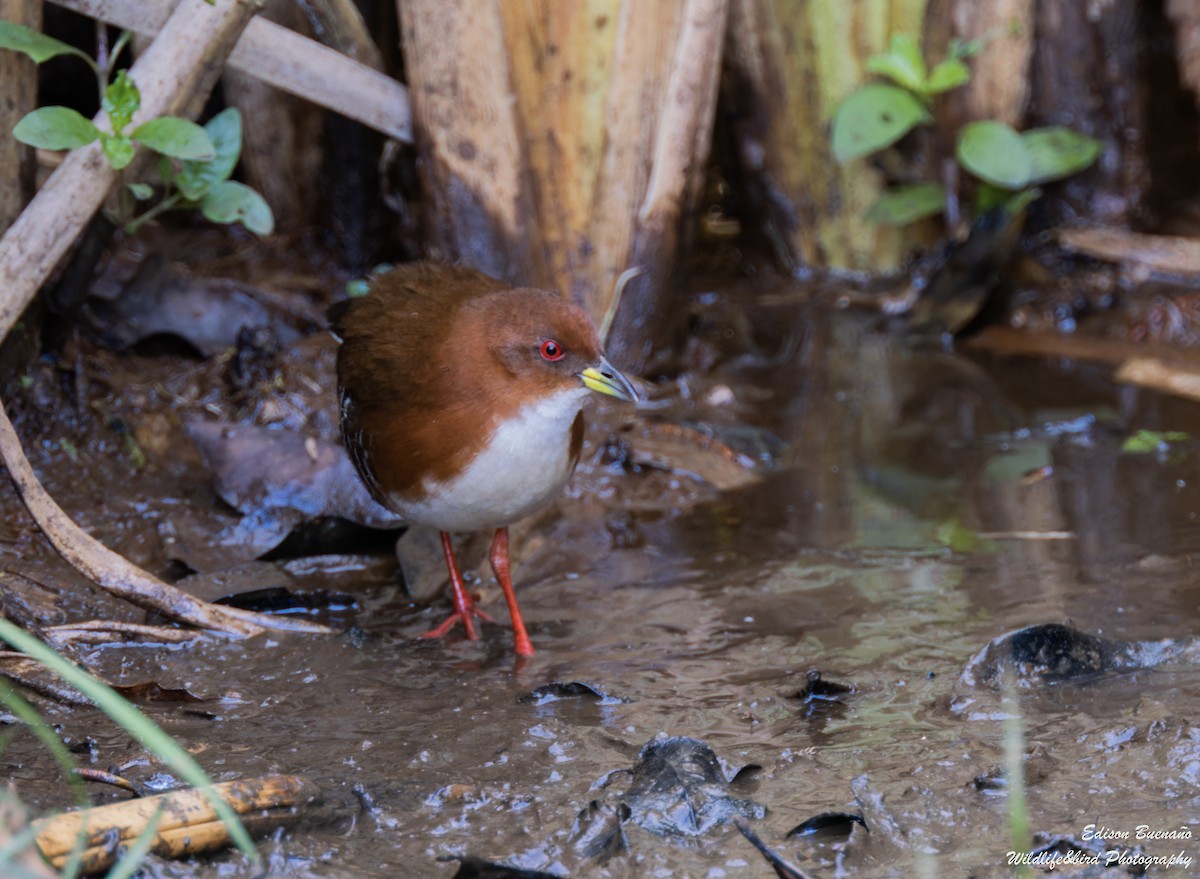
x=603 y=378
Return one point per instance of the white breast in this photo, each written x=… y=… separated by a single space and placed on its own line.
x=523 y=468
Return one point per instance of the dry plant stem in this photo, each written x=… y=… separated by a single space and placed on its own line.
x=109 y=632
x=1166 y=254
x=286 y=60
x=1167 y=378
x=111 y=571
x=189 y=824
x=167 y=74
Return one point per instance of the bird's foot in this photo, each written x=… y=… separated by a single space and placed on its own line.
x=462 y=615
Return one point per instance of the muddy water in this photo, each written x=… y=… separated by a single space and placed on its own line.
x=837 y=561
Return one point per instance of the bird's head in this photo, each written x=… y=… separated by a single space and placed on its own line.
x=544 y=343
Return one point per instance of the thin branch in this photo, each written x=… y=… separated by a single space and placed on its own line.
x=286 y=60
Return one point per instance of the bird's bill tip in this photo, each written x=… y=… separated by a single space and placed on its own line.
x=604 y=378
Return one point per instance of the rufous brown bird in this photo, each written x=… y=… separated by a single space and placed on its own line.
x=461 y=404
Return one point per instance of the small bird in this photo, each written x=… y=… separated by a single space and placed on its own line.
x=461 y=406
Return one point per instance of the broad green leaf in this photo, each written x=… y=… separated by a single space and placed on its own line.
x=55 y=128
x=121 y=101
x=950 y=74
x=225 y=132
x=995 y=153
x=119 y=150
x=872 y=118
x=1058 y=152
x=175 y=137
x=140 y=191
x=902 y=62
x=35 y=44
x=228 y=201
x=905 y=204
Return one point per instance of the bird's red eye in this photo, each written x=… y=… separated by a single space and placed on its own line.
x=551 y=350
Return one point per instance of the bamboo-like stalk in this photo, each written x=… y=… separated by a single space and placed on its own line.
x=189 y=824
x=563 y=143
x=18 y=164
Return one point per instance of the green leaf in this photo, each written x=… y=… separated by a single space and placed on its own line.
x=1145 y=442
x=121 y=100
x=166 y=170
x=872 y=118
x=954 y=535
x=175 y=137
x=905 y=204
x=225 y=132
x=995 y=153
x=1058 y=152
x=950 y=74
x=119 y=150
x=36 y=45
x=1019 y=201
x=140 y=191
x=228 y=201
x=55 y=128
x=902 y=62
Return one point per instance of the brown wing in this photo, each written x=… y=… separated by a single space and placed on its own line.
x=388 y=375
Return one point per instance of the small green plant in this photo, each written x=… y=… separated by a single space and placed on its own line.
x=195 y=163
x=1008 y=163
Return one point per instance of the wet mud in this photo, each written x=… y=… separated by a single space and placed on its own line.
x=907 y=508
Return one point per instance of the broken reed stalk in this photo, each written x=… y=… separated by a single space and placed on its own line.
x=194 y=38
x=189 y=824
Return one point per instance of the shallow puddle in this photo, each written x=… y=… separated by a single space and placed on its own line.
x=923 y=504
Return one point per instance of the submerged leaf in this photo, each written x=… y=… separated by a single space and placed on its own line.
x=1146 y=442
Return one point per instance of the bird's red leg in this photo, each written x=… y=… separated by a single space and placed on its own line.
x=499 y=556
x=464 y=608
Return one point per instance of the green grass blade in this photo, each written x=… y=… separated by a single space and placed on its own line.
x=136 y=853
x=27 y=714
x=1014 y=770
x=134 y=722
